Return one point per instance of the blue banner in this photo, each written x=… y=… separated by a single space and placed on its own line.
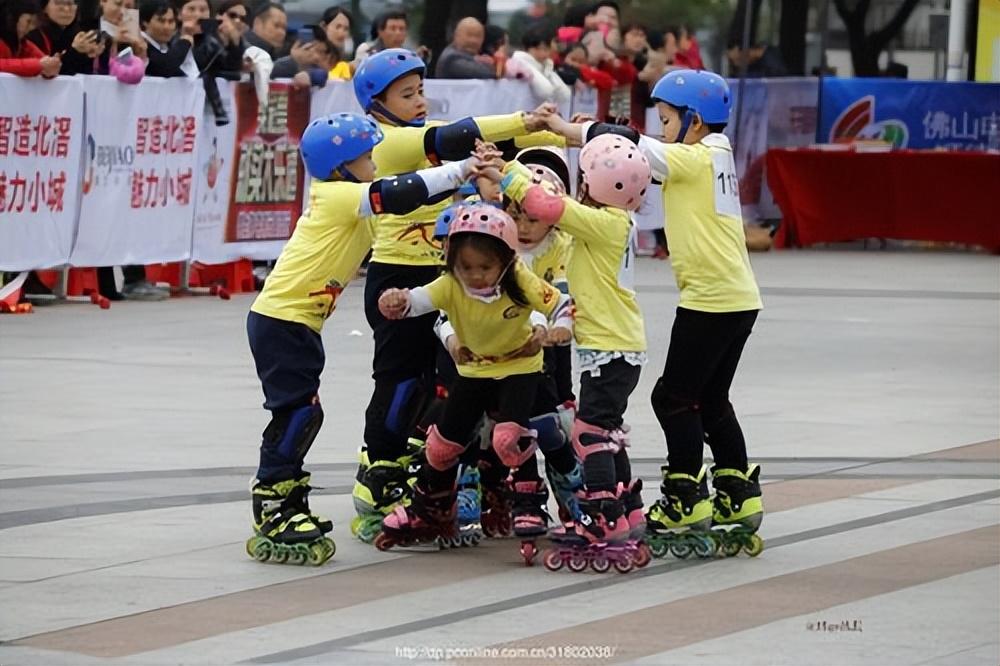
x=909 y=114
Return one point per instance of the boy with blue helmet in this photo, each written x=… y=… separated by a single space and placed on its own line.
x=389 y=87
x=329 y=241
x=718 y=306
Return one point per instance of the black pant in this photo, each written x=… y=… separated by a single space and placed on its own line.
x=691 y=399
x=603 y=401
x=403 y=366
x=510 y=399
x=289 y=358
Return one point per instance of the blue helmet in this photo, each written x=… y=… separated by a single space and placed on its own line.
x=378 y=71
x=332 y=141
x=704 y=93
x=443 y=223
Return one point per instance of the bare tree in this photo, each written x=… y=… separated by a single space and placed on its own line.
x=866 y=48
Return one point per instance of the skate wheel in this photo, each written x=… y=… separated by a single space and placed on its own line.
x=705 y=547
x=731 y=547
x=552 y=560
x=319 y=553
x=681 y=549
x=642 y=555
x=755 y=546
x=528 y=552
x=104 y=303
x=280 y=556
x=383 y=541
x=623 y=566
x=658 y=549
x=224 y=294
x=600 y=564
x=95 y=297
x=262 y=550
x=577 y=563
x=356 y=525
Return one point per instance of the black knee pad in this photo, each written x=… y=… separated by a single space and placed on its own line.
x=291 y=432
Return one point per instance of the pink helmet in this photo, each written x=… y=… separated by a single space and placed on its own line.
x=482 y=218
x=615 y=171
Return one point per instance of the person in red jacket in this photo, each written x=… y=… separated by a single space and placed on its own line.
x=17 y=55
x=574 y=67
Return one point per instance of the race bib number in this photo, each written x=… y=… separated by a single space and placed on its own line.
x=727 y=185
x=626 y=271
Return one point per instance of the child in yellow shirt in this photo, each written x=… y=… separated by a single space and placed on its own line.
x=489 y=296
x=611 y=343
x=284 y=324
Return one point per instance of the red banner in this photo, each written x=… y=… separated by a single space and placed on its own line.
x=268 y=175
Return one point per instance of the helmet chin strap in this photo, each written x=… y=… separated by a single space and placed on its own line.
x=685 y=125
x=343 y=173
x=379 y=108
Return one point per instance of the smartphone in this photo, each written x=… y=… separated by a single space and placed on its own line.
x=130 y=22
x=125 y=54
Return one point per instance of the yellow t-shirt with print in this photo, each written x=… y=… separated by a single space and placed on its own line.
x=409 y=239
x=550 y=258
x=495 y=331
x=329 y=242
x=704 y=227
x=600 y=272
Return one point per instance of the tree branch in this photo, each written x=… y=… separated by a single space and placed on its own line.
x=881 y=38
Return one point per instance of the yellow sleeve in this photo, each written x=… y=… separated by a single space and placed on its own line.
x=586 y=223
x=498 y=128
x=540 y=139
x=682 y=161
x=541 y=295
x=402 y=150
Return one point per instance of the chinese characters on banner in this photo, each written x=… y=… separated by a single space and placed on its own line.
x=268 y=177
x=138 y=179
x=40 y=139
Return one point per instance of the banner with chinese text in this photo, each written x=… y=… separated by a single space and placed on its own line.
x=41 y=133
x=267 y=175
x=138 y=177
x=955 y=115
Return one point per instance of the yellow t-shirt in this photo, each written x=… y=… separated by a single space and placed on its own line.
x=341 y=71
x=550 y=258
x=409 y=239
x=329 y=242
x=601 y=271
x=704 y=225
x=494 y=331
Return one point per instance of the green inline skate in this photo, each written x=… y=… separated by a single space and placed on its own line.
x=285 y=530
x=680 y=521
x=380 y=487
x=738 y=510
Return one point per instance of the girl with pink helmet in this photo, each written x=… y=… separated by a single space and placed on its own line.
x=611 y=345
x=488 y=295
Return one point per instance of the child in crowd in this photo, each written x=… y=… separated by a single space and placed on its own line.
x=330 y=240
x=611 y=343
x=718 y=306
x=489 y=295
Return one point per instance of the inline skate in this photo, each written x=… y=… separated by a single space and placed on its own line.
x=680 y=521
x=737 y=511
x=285 y=530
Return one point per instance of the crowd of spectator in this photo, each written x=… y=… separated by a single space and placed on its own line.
x=589 y=48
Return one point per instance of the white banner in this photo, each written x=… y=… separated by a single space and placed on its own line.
x=447 y=99
x=139 y=181
x=41 y=134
